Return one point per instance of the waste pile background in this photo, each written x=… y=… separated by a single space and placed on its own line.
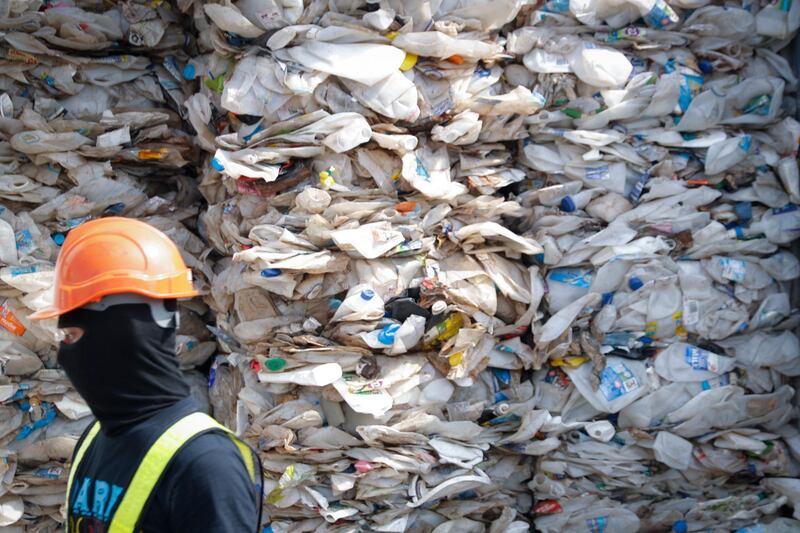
x=466 y=265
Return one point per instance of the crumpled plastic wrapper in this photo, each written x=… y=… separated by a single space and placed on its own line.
x=465 y=265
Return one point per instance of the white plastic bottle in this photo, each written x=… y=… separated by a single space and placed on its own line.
x=780 y=226
x=571 y=203
x=599 y=67
x=8 y=244
x=745 y=273
x=309 y=376
x=408 y=335
x=361 y=303
x=565 y=285
x=725 y=154
x=380 y=338
x=685 y=362
x=610 y=176
x=555 y=194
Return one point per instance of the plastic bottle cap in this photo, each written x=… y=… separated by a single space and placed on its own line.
x=217 y=165
x=706 y=66
x=367 y=294
x=635 y=283
x=680 y=526
x=189 y=72
x=567 y=205
x=744 y=211
x=438 y=307
x=408 y=62
x=405 y=207
x=59 y=238
x=275 y=364
x=334 y=303
x=386 y=336
x=362 y=466
x=270 y=272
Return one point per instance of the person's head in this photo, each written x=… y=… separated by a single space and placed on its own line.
x=116 y=289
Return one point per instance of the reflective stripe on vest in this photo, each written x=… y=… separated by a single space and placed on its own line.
x=158 y=457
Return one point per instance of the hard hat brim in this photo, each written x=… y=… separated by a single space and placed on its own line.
x=52 y=311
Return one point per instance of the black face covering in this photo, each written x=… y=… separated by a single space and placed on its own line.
x=124 y=365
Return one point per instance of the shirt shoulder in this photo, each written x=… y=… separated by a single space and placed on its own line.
x=214 y=450
x=207 y=487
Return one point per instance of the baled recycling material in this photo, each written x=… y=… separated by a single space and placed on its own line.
x=466 y=265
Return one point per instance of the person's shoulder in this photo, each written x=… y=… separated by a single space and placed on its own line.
x=207 y=487
x=214 y=444
x=206 y=460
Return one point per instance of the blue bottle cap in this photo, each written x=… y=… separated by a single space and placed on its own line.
x=744 y=211
x=367 y=294
x=270 y=272
x=217 y=165
x=386 y=336
x=706 y=67
x=567 y=205
x=503 y=375
x=59 y=238
x=635 y=283
x=334 y=303
x=680 y=526
x=189 y=72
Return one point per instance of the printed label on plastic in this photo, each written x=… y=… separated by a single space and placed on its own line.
x=617 y=380
x=11 y=322
x=557 y=378
x=596 y=525
x=556 y=6
x=744 y=144
x=25 y=241
x=19 y=271
x=690 y=85
x=597 y=172
x=733 y=269
x=576 y=277
x=691 y=312
x=661 y=15
x=700 y=359
x=271 y=17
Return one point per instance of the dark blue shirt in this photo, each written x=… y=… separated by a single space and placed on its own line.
x=206 y=486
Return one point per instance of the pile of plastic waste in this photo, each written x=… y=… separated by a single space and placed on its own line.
x=91 y=124
x=466 y=265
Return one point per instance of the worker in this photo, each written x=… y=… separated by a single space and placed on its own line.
x=152 y=461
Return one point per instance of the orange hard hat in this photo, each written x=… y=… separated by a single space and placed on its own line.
x=116 y=255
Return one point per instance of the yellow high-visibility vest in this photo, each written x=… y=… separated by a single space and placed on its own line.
x=126 y=517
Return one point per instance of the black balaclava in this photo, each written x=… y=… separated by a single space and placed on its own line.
x=124 y=366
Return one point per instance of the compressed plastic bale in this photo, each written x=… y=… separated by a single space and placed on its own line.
x=645 y=178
